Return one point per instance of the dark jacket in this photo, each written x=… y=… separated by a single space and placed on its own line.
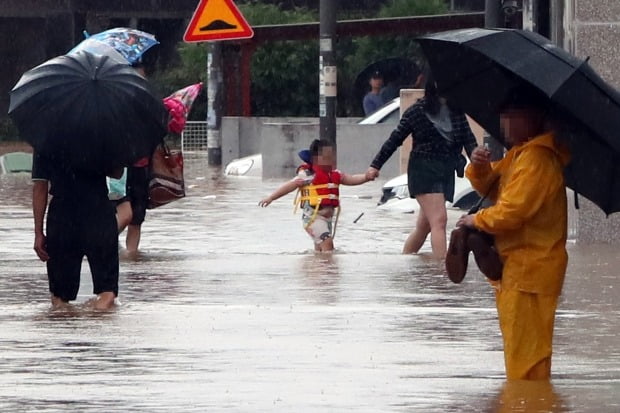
x=428 y=142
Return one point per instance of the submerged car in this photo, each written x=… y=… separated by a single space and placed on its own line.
x=395 y=195
x=247 y=166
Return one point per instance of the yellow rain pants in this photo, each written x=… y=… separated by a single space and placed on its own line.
x=526 y=321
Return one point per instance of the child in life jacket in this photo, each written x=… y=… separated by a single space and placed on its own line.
x=318 y=184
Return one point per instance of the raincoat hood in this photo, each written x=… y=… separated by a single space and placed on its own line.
x=548 y=140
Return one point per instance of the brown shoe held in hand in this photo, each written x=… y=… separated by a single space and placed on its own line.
x=457 y=254
x=485 y=254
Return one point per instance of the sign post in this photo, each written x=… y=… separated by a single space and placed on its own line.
x=216 y=20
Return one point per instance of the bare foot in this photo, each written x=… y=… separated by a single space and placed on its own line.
x=59 y=304
x=103 y=302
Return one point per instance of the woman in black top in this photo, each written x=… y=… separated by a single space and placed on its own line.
x=440 y=132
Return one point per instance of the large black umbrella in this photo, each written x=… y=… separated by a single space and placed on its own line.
x=88 y=111
x=477 y=69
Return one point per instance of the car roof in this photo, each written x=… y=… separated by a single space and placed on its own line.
x=381 y=113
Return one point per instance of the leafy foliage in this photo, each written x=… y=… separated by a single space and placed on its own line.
x=285 y=77
x=285 y=73
x=398 y=8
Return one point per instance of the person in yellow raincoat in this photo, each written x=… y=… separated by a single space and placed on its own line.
x=529 y=223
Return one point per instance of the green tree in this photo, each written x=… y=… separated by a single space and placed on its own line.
x=285 y=73
x=368 y=49
x=285 y=78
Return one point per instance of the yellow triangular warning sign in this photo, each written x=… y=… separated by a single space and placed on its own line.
x=217 y=20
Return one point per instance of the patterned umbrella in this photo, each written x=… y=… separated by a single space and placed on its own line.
x=130 y=43
x=179 y=105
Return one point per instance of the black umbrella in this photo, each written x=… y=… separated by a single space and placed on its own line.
x=88 y=111
x=398 y=71
x=477 y=69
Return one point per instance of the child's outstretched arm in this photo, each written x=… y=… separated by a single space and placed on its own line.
x=284 y=189
x=356 y=179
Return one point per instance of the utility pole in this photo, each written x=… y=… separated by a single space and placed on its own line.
x=328 y=84
x=530 y=15
x=494 y=18
x=215 y=104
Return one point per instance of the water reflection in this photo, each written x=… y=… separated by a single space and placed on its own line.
x=227 y=308
x=528 y=396
x=321 y=277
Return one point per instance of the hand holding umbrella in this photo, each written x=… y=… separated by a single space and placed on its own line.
x=465 y=62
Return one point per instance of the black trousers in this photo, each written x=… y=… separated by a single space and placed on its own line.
x=138 y=192
x=77 y=229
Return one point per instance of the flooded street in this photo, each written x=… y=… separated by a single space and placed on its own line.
x=227 y=308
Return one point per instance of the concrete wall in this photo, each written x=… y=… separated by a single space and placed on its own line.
x=279 y=141
x=241 y=136
x=592 y=28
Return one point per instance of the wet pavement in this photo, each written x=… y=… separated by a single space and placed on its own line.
x=228 y=309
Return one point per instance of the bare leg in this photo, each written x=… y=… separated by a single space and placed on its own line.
x=133 y=238
x=123 y=215
x=327 y=245
x=434 y=208
x=418 y=235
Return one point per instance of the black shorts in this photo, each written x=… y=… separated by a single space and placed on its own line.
x=117 y=202
x=430 y=176
x=74 y=232
x=138 y=192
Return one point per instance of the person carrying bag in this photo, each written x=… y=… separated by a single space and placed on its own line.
x=166 y=181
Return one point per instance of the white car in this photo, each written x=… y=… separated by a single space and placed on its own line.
x=388 y=113
x=247 y=166
x=395 y=196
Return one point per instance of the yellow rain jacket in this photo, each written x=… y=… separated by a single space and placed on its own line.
x=529 y=216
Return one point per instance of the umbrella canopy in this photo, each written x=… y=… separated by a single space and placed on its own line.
x=179 y=104
x=130 y=43
x=397 y=71
x=478 y=69
x=96 y=47
x=88 y=111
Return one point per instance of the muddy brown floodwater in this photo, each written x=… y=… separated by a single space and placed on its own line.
x=228 y=309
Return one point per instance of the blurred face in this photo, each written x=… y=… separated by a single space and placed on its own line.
x=519 y=124
x=376 y=83
x=326 y=158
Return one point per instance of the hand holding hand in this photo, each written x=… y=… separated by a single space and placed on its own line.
x=480 y=156
x=372 y=174
x=40 y=248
